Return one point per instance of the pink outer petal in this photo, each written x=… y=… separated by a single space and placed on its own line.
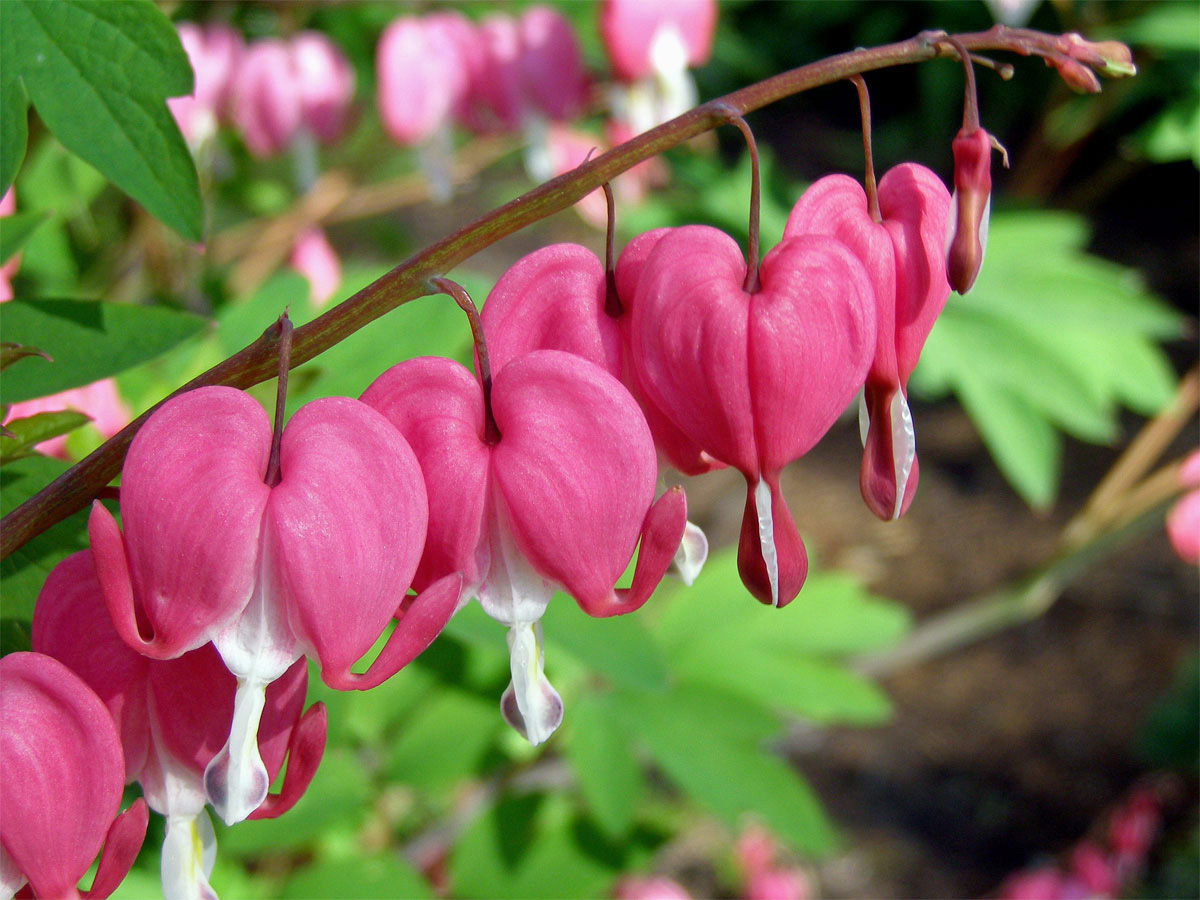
x=811 y=338
x=325 y=82
x=438 y=406
x=877 y=474
x=627 y=28
x=121 y=846
x=344 y=528
x=792 y=560
x=1183 y=527
x=63 y=772
x=266 y=105
x=499 y=84
x=836 y=205
x=552 y=299
x=71 y=623
x=552 y=73
x=915 y=203
x=575 y=468
x=688 y=339
x=306 y=745
x=192 y=502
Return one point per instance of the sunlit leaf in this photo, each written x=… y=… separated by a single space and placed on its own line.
x=599 y=750
x=26 y=433
x=15 y=231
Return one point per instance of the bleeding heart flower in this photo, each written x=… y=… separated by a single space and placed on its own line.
x=558 y=496
x=967 y=224
x=315 y=565
x=325 y=83
x=61 y=791
x=904 y=256
x=173 y=716
x=555 y=299
x=314 y=258
x=755 y=379
x=214 y=52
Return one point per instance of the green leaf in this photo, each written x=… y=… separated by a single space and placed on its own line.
x=383 y=875
x=15 y=231
x=88 y=340
x=14 y=113
x=14 y=636
x=618 y=648
x=724 y=772
x=598 y=749
x=10 y=353
x=443 y=741
x=32 y=430
x=23 y=572
x=98 y=74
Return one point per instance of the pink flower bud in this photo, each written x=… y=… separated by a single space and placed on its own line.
x=777 y=884
x=61 y=790
x=755 y=850
x=1078 y=77
x=315 y=259
x=1094 y=870
x=966 y=227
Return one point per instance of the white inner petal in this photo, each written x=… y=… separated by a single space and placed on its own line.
x=434 y=157
x=539 y=161
x=235 y=780
x=11 y=879
x=512 y=592
x=951 y=222
x=676 y=88
x=864 y=417
x=983 y=229
x=766 y=537
x=188 y=853
x=170 y=787
x=693 y=551
x=539 y=705
x=904 y=446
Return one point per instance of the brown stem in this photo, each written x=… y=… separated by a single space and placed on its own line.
x=284 y=327
x=491 y=433
x=612 y=303
x=970 y=98
x=73 y=489
x=751 y=284
x=864 y=108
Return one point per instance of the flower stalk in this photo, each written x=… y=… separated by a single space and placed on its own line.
x=76 y=487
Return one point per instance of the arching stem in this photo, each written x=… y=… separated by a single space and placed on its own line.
x=751 y=285
x=612 y=302
x=491 y=433
x=284 y=326
x=864 y=107
x=970 y=120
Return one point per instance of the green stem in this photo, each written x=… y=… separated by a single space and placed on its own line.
x=73 y=489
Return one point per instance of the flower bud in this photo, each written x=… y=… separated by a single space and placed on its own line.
x=1078 y=77
x=967 y=224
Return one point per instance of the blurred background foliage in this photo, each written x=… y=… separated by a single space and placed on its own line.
x=1084 y=312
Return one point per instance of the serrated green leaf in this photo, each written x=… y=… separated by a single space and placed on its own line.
x=15 y=231
x=32 y=430
x=598 y=749
x=88 y=340
x=98 y=74
x=23 y=571
x=718 y=768
x=384 y=875
x=618 y=648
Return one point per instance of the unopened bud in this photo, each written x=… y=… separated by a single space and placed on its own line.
x=966 y=226
x=1078 y=77
x=1110 y=58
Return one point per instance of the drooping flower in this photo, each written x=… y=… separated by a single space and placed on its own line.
x=903 y=255
x=548 y=481
x=315 y=564
x=61 y=790
x=967 y=225
x=173 y=716
x=754 y=379
x=325 y=83
x=556 y=299
x=214 y=52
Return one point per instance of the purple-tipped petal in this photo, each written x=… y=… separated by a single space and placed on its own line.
x=771 y=556
x=63 y=772
x=575 y=468
x=188 y=853
x=530 y=704
x=306 y=746
x=121 y=846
